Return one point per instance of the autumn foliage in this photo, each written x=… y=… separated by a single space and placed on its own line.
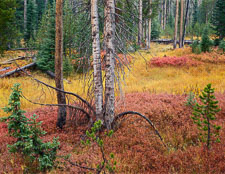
x=137 y=149
x=173 y=61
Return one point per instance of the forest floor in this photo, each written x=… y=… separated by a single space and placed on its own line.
x=157 y=85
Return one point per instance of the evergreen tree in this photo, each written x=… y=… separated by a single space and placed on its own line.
x=32 y=20
x=206 y=43
x=195 y=14
x=218 y=18
x=46 y=41
x=8 y=30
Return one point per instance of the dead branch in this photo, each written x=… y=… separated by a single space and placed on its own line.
x=142 y=116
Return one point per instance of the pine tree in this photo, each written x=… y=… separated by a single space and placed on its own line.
x=218 y=18
x=32 y=20
x=7 y=23
x=46 y=41
x=195 y=14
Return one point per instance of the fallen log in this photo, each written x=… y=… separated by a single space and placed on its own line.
x=18 y=70
x=52 y=75
x=21 y=49
x=168 y=41
x=4 y=69
x=14 y=59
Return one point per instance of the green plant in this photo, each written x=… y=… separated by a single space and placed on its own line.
x=191 y=101
x=196 y=48
x=27 y=132
x=93 y=136
x=205 y=113
x=206 y=43
x=67 y=67
x=222 y=45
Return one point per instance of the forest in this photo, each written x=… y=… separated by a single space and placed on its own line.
x=112 y=86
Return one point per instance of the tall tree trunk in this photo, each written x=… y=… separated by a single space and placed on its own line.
x=185 y=23
x=140 y=31
x=149 y=26
x=161 y=22
x=110 y=62
x=58 y=63
x=165 y=15
x=181 y=22
x=97 y=61
x=176 y=23
x=25 y=15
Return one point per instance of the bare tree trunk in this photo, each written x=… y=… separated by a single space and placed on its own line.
x=97 y=61
x=161 y=23
x=165 y=14
x=140 y=31
x=149 y=26
x=176 y=23
x=110 y=62
x=58 y=63
x=185 y=23
x=181 y=22
x=25 y=15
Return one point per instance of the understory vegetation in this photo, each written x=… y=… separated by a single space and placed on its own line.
x=161 y=91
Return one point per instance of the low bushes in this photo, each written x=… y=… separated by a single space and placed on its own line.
x=173 y=61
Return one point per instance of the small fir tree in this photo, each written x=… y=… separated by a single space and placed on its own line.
x=27 y=132
x=206 y=43
x=204 y=114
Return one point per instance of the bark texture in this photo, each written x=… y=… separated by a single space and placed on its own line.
x=110 y=62
x=185 y=23
x=165 y=15
x=58 y=63
x=181 y=22
x=149 y=26
x=176 y=23
x=140 y=29
x=97 y=61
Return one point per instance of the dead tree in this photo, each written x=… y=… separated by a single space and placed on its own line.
x=185 y=23
x=140 y=29
x=181 y=22
x=58 y=63
x=98 y=87
x=110 y=62
x=176 y=23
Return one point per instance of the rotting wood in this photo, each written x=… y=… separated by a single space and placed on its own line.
x=10 y=61
x=18 y=70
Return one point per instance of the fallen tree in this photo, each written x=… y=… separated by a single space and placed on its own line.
x=168 y=41
x=18 y=70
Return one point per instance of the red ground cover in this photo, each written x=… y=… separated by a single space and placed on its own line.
x=173 y=61
x=137 y=149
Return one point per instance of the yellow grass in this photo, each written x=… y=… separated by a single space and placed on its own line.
x=141 y=78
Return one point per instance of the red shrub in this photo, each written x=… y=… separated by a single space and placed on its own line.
x=173 y=61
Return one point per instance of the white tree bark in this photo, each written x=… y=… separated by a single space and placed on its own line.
x=149 y=26
x=98 y=92
x=110 y=62
x=140 y=28
x=165 y=15
x=176 y=23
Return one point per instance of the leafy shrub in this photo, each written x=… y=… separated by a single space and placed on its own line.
x=27 y=133
x=206 y=43
x=205 y=113
x=173 y=61
x=67 y=67
x=222 y=45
